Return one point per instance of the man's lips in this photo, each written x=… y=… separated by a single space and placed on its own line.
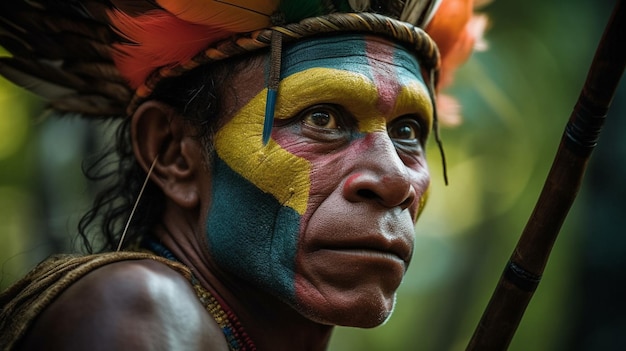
x=364 y=256
x=370 y=245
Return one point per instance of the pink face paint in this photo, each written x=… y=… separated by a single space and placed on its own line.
x=384 y=75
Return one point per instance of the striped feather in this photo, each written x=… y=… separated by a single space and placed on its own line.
x=88 y=105
x=95 y=70
x=32 y=37
x=56 y=74
x=44 y=35
x=47 y=21
x=47 y=90
x=14 y=44
x=48 y=71
x=76 y=47
x=115 y=91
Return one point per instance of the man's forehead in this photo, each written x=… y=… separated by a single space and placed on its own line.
x=351 y=52
x=388 y=67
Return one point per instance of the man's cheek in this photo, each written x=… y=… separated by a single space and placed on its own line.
x=251 y=235
x=270 y=168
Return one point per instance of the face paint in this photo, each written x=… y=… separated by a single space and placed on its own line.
x=259 y=226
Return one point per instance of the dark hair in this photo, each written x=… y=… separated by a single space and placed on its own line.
x=196 y=96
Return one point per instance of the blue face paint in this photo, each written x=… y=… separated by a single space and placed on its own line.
x=250 y=233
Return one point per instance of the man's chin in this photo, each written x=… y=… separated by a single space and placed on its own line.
x=359 y=312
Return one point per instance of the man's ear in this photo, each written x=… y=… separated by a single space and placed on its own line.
x=159 y=136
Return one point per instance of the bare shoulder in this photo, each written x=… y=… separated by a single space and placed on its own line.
x=129 y=305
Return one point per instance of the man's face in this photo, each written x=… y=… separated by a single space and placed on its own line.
x=322 y=216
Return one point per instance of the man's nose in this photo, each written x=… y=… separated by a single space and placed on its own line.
x=380 y=175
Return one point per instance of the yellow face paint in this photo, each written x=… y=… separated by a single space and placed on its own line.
x=270 y=168
x=352 y=90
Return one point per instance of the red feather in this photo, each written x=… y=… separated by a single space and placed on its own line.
x=156 y=39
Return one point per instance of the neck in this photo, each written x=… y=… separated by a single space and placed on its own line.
x=270 y=323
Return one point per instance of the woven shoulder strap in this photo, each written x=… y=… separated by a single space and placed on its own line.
x=25 y=300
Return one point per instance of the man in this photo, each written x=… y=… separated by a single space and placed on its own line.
x=281 y=185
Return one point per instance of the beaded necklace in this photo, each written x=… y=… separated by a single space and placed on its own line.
x=235 y=334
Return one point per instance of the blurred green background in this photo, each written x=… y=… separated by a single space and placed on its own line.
x=516 y=98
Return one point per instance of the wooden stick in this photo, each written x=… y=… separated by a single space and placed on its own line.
x=525 y=267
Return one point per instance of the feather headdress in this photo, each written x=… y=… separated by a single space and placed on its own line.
x=102 y=57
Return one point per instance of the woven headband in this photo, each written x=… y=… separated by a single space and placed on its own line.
x=416 y=40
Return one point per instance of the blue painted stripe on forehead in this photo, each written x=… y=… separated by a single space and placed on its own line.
x=406 y=62
x=340 y=52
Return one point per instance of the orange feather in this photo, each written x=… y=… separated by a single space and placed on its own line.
x=456 y=29
x=232 y=15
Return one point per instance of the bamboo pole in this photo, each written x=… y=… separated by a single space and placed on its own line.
x=523 y=272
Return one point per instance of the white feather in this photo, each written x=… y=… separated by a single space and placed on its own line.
x=414 y=10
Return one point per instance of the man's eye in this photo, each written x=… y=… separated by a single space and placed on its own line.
x=405 y=130
x=321 y=118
